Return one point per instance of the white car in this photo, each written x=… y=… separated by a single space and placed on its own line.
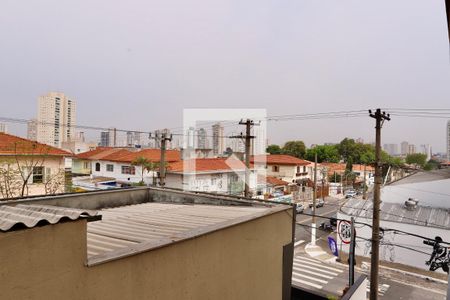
x=350 y=194
x=319 y=203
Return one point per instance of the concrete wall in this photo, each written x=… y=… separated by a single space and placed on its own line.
x=91 y=200
x=239 y=262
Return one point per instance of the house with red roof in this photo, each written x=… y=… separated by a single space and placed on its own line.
x=287 y=168
x=109 y=162
x=30 y=168
x=218 y=175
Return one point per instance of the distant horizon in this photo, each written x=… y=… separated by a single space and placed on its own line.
x=138 y=64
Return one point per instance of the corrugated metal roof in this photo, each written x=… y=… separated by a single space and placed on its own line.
x=421 y=215
x=23 y=215
x=127 y=230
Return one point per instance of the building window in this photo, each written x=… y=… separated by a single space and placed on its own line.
x=38 y=174
x=275 y=169
x=128 y=170
x=298 y=169
x=110 y=168
x=97 y=167
x=86 y=165
x=304 y=169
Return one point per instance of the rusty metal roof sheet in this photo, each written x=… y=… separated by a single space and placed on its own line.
x=393 y=212
x=29 y=216
x=132 y=229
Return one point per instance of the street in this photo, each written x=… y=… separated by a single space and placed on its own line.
x=392 y=285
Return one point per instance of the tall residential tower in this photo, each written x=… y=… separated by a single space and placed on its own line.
x=218 y=139
x=56 y=119
x=448 y=140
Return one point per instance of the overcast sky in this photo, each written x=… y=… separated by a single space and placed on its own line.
x=136 y=64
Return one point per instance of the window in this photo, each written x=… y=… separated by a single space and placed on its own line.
x=304 y=169
x=86 y=165
x=38 y=174
x=128 y=170
x=97 y=167
x=298 y=169
x=110 y=168
x=275 y=169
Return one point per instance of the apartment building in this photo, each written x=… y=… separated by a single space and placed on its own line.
x=56 y=119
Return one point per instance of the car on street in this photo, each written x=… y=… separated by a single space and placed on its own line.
x=299 y=208
x=319 y=203
x=350 y=194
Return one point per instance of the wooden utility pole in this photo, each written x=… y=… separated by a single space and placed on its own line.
x=248 y=137
x=313 y=224
x=379 y=117
x=162 y=161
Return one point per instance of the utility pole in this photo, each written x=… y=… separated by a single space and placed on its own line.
x=379 y=117
x=323 y=185
x=248 y=137
x=162 y=161
x=351 y=258
x=313 y=224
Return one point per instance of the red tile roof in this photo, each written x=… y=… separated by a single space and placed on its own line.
x=124 y=155
x=281 y=159
x=150 y=154
x=340 y=167
x=207 y=165
x=14 y=145
x=275 y=181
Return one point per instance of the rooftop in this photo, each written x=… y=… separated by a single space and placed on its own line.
x=14 y=145
x=131 y=229
x=136 y=220
x=207 y=165
x=394 y=212
x=125 y=155
x=29 y=216
x=280 y=159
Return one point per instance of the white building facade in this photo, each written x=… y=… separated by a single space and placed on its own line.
x=56 y=119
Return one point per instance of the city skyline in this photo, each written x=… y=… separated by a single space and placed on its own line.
x=275 y=57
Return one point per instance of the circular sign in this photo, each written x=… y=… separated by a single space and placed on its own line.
x=345 y=231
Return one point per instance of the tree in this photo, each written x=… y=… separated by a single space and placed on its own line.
x=325 y=153
x=294 y=148
x=144 y=163
x=10 y=179
x=418 y=159
x=273 y=149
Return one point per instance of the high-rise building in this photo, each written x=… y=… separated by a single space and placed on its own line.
x=201 y=138
x=426 y=149
x=32 y=129
x=237 y=145
x=404 y=146
x=190 y=138
x=129 y=139
x=56 y=119
x=259 y=142
x=105 y=139
x=3 y=128
x=218 y=139
x=391 y=149
x=411 y=149
x=448 y=140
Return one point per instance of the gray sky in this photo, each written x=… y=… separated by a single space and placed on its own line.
x=137 y=64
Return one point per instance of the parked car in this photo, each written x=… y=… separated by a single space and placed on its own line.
x=319 y=203
x=350 y=194
x=299 y=208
